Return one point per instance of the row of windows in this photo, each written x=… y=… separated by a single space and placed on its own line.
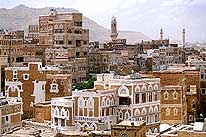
x=78 y=42
x=168 y=111
x=108 y=112
x=86 y=103
x=144 y=111
x=144 y=88
x=149 y=118
x=107 y=102
x=62 y=112
x=12 y=42
x=166 y=95
x=141 y=97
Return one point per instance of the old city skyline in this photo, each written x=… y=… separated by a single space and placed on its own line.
x=60 y=79
x=171 y=15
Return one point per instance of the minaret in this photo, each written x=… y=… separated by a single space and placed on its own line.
x=114 y=33
x=183 y=37
x=161 y=34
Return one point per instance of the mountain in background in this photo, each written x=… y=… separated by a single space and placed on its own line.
x=20 y=17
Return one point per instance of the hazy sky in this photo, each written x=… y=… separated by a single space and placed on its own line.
x=146 y=16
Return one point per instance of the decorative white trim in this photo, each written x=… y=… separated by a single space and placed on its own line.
x=166 y=95
x=167 y=111
x=144 y=111
x=123 y=91
x=175 y=110
x=26 y=76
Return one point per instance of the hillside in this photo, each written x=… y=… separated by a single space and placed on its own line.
x=21 y=16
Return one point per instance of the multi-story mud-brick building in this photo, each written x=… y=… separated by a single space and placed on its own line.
x=67 y=42
x=36 y=84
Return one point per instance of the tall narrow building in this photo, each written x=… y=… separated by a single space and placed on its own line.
x=114 y=33
x=67 y=42
x=161 y=34
x=183 y=37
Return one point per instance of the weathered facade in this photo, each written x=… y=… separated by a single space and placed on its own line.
x=36 y=84
x=129 y=129
x=67 y=42
x=173 y=105
x=10 y=114
x=137 y=97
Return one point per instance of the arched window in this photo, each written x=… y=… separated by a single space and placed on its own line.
x=137 y=112
x=60 y=26
x=123 y=91
x=150 y=110
x=127 y=115
x=156 y=87
x=156 y=109
x=167 y=111
x=81 y=102
x=90 y=102
x=175 y=95
x=90 y=107
x=144 y=88
x=55 y=26
x=175 y=111
x=137 y=89
x=166 y=95
x=144 y=111
x=150 y=87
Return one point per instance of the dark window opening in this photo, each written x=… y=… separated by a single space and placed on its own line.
x=78 y=24
x=85 y=53
x=85 y=42
x=124 y=101
x=193 y=105
x=61 y=42
x=69 y=42
x=137 y=98
x=78 y=43
x=144 y=98
x=203 y=91
x=202 y=76
x=77 y=54
x=7 y=118
x=20 y=59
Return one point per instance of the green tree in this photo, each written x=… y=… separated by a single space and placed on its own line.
x=85 y=85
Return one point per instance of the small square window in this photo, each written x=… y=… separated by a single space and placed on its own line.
x=70 y=42
x=26 y=76
x=54 y=87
